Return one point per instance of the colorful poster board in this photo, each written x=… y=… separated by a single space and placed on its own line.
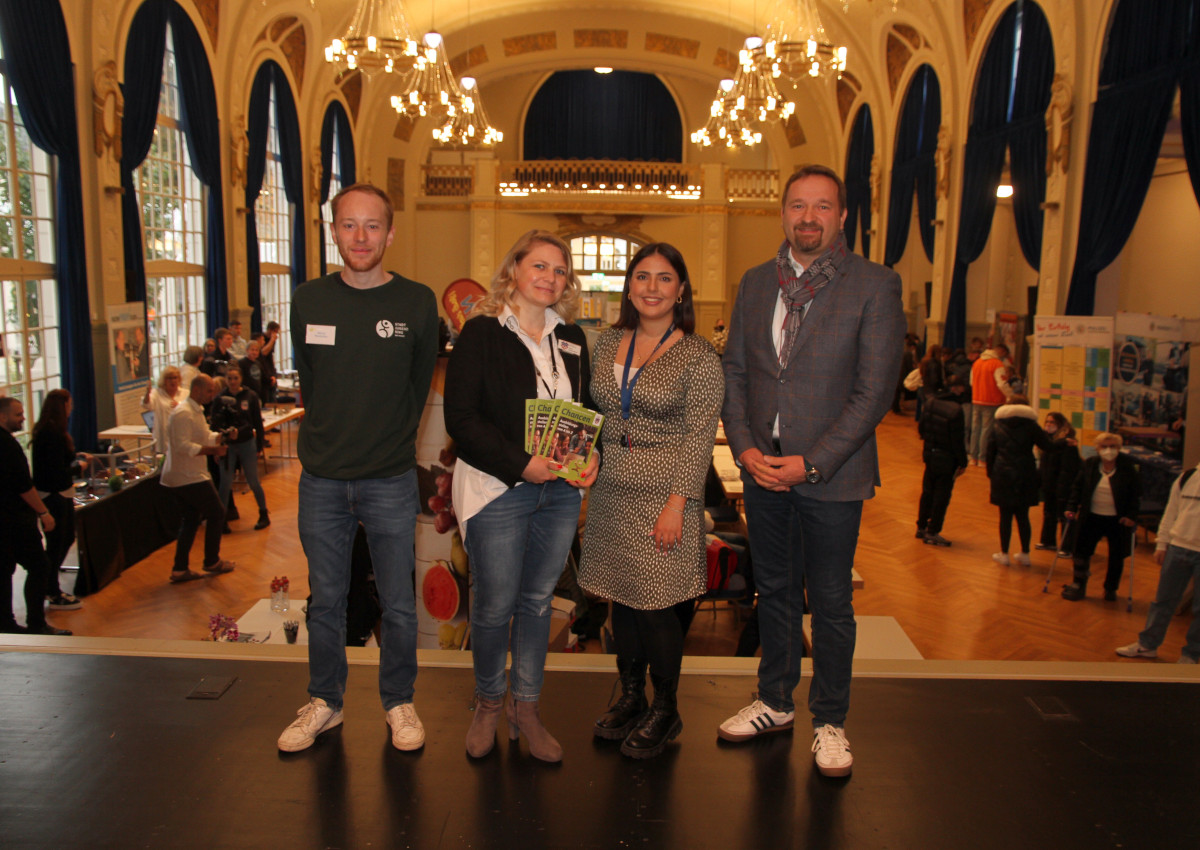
x=1150 y=371
x=129 y=359
x=1073 y=370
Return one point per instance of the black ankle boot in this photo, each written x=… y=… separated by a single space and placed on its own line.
x=264 y=520
x=658 y=725
x=625 y=712
x=1075 y=592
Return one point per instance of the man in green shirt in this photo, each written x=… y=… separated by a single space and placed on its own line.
x=365 y=343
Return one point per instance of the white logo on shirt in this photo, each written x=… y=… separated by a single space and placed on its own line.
x=384 y=328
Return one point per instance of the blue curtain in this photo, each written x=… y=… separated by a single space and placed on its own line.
x=624 y=115
x=37 y=57
x=202 y=129
x=271 y=76
x=1010 y=99
x=1152 y=45
x=915 y=166
x=336 y=123
x=143 y=83
x=858 y=180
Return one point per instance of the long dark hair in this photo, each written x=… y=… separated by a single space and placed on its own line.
x=54 y=416
x=685 y=313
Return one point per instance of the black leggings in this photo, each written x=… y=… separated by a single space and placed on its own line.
x=656 y=636
x=1021 y=515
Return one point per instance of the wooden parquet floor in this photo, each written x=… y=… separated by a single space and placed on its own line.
x=954 y=603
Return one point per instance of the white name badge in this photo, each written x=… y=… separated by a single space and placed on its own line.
x=568 y=347
x=320 y=334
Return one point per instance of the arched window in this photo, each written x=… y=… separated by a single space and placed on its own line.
x=914 y=165
x=337 y=171
x=601 y=259
x=858 y=180
x=273 y=214
x=172 y=203
x=622 y=116
x=28 y=298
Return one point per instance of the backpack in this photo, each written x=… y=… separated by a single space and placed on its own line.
x=722 y=563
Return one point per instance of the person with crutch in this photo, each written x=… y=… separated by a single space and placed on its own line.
x=1178 y=550
x=1105 y=498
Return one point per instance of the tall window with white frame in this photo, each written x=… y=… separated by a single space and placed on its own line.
x=28 y=294
x=273 y=216
x=333 y=258
x=600 y=259
x=172 y=202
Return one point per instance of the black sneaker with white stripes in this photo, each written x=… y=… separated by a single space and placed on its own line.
x=755 y=719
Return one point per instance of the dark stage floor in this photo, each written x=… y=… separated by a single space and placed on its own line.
x=99 y=751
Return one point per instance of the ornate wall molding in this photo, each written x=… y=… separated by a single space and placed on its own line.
x=618 y=39
x=672 y=45
x=531 y=43
x=108 y=107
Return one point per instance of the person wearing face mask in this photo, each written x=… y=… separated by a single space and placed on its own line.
x=1105 y=499
x=1059 y=466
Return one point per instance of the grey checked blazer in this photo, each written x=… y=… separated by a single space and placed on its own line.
x=839 y=382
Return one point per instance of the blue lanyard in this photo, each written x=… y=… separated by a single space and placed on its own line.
x=626 y=383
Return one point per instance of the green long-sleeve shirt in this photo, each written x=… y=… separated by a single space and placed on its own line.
x=365 y=358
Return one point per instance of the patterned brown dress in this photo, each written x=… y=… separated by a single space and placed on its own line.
x=672 y=425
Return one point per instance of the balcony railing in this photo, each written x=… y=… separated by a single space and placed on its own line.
x=600 y=177
x=449 y=181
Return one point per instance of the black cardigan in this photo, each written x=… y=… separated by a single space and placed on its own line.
x=1126 y=486
x=488 y=379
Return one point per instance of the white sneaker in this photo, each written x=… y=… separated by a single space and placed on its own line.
x=755 y=719
x=1022 y=559
x=408 y=733
x=1136 y=650
x=832 y=751
x=311 y=721
x=1001 y=558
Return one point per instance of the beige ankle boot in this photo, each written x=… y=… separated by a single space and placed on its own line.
x=523 y=718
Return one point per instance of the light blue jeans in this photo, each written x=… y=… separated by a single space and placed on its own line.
x=329 y=514
x=247 y=452
x=1179 y=566
x=518 y=545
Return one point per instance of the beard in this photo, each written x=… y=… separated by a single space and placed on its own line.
x=807 y=241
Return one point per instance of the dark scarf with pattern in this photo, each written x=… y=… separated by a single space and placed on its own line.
x=798 y=291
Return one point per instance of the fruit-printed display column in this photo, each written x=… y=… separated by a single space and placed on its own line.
x=442 y=569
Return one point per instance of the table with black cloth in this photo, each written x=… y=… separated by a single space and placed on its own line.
x=120 y=529
x=1158 y=473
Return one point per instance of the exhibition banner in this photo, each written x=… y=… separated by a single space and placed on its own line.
x=1150 y=371
x=129 y=359
x=1072 y=369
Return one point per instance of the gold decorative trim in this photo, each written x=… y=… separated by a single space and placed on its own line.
x=909 y=34
x=108 y=108
x=210 y=14
x=352 y=85
x=395 y=182
x=974 y=11
x=277 y=28
x=898 y=54
x=295 y=49
x=531 y=43
x=468 y=59
x=846 y=95
x=672 y=45
x=725 y=59
x=618 y=39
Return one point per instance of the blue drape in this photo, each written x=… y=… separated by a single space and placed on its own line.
x=336 y=124
x=143 y=83
x=1008 y=105
x=1152 y=45
x=624 y=115
x=37 y=56
x=858 y=180
x=202 y=129
x=271 y=76
x=915 y=166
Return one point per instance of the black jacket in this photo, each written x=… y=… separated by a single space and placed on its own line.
x=488 y=379
x=942 y=427
x=243 y=411
x=1126 y=484
x=1059 y=466
x=1010 y=465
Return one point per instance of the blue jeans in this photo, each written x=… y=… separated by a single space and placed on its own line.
x=518 y=545
x=802 y=543
x=1179 y=566
x=329 y=514
x=983 y=420
x=247 y=452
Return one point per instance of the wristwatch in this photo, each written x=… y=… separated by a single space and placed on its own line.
x=811 y=474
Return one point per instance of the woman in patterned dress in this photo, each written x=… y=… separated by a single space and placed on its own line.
x=660 y=388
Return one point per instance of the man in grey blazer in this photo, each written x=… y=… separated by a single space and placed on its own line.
x=810 y=369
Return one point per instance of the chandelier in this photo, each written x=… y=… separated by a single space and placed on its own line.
x=378 y=39
x=470 y=124
x=727 y=126
x=430 y=87
x=754 y=90
x=797 y=45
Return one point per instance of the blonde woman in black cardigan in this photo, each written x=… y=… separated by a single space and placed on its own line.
x=516 y=516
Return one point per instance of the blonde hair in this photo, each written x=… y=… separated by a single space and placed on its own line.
x=1108 y=437
x=504 y=282
x=167 y=372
